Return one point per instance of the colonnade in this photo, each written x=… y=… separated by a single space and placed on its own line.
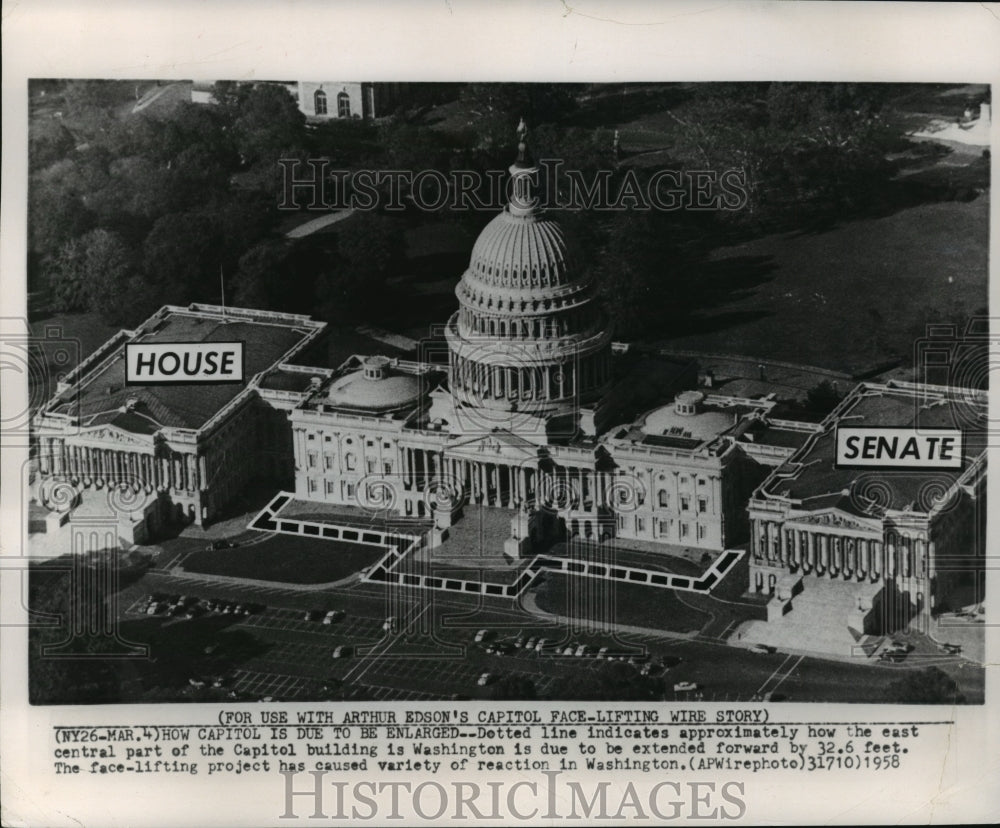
x=838 y=554
x=530 y=382
x=97 y=466
x=507 y=485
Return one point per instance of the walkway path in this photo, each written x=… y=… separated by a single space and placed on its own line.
x=317 y=224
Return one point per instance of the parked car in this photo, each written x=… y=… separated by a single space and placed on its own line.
x=685 y=686
x=486 y=678
x=390 y=624
x=333 y=615
x=481 y=636
x=501 y=648
x=582 y=650
x=219 y=544
x=760 y=649
x=532 y=643
x=342 y=651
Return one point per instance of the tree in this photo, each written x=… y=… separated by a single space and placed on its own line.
x=805 y=149
x=823 y=397
x=67 y=277
x=268 y=124
x=263 y=278
x=644 y=270
x=181 y=258
x=931 y=685
x=352 y=283
x=110 y=275
x=48 y=141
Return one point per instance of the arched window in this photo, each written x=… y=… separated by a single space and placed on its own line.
x=343 y=105
x=319 y=102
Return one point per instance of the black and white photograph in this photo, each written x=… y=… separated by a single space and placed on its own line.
x=508 y=391
x=452 y=412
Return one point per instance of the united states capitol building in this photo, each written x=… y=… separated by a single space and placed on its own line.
x=531 y=412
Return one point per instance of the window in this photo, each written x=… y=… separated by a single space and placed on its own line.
x=328 y=461
x=370 y=443
x=327 y=439
x=701 y=531
x=350 y=490
x=312 y=436
x=351 y=461
x=312 y=460
x=370 y=466
x=387 y=468
x=640 y=524
x=343 y=105
x=702 y=481
x=312 y=485
x=684 y=530
x=685 y=503
x=664 y=528
x=319 y=102
x=702 y=504
x=664 y=498
x=330 y=487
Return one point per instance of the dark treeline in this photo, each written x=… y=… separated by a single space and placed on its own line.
x=132 y=210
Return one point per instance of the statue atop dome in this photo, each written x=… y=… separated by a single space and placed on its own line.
x=523 y=155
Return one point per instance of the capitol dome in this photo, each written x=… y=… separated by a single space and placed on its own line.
x=521 y=251
x=528 y=334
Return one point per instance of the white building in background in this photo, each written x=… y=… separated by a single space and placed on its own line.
x=323 y=100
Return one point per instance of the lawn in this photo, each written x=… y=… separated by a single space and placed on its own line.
x=287 y=559
x=852 y=295
x=621 y=603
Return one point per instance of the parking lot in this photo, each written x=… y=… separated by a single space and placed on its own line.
x=431 y=654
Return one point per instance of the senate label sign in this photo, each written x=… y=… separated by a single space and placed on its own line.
x=936 y=448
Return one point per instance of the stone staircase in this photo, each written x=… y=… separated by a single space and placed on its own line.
x=822 y=618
